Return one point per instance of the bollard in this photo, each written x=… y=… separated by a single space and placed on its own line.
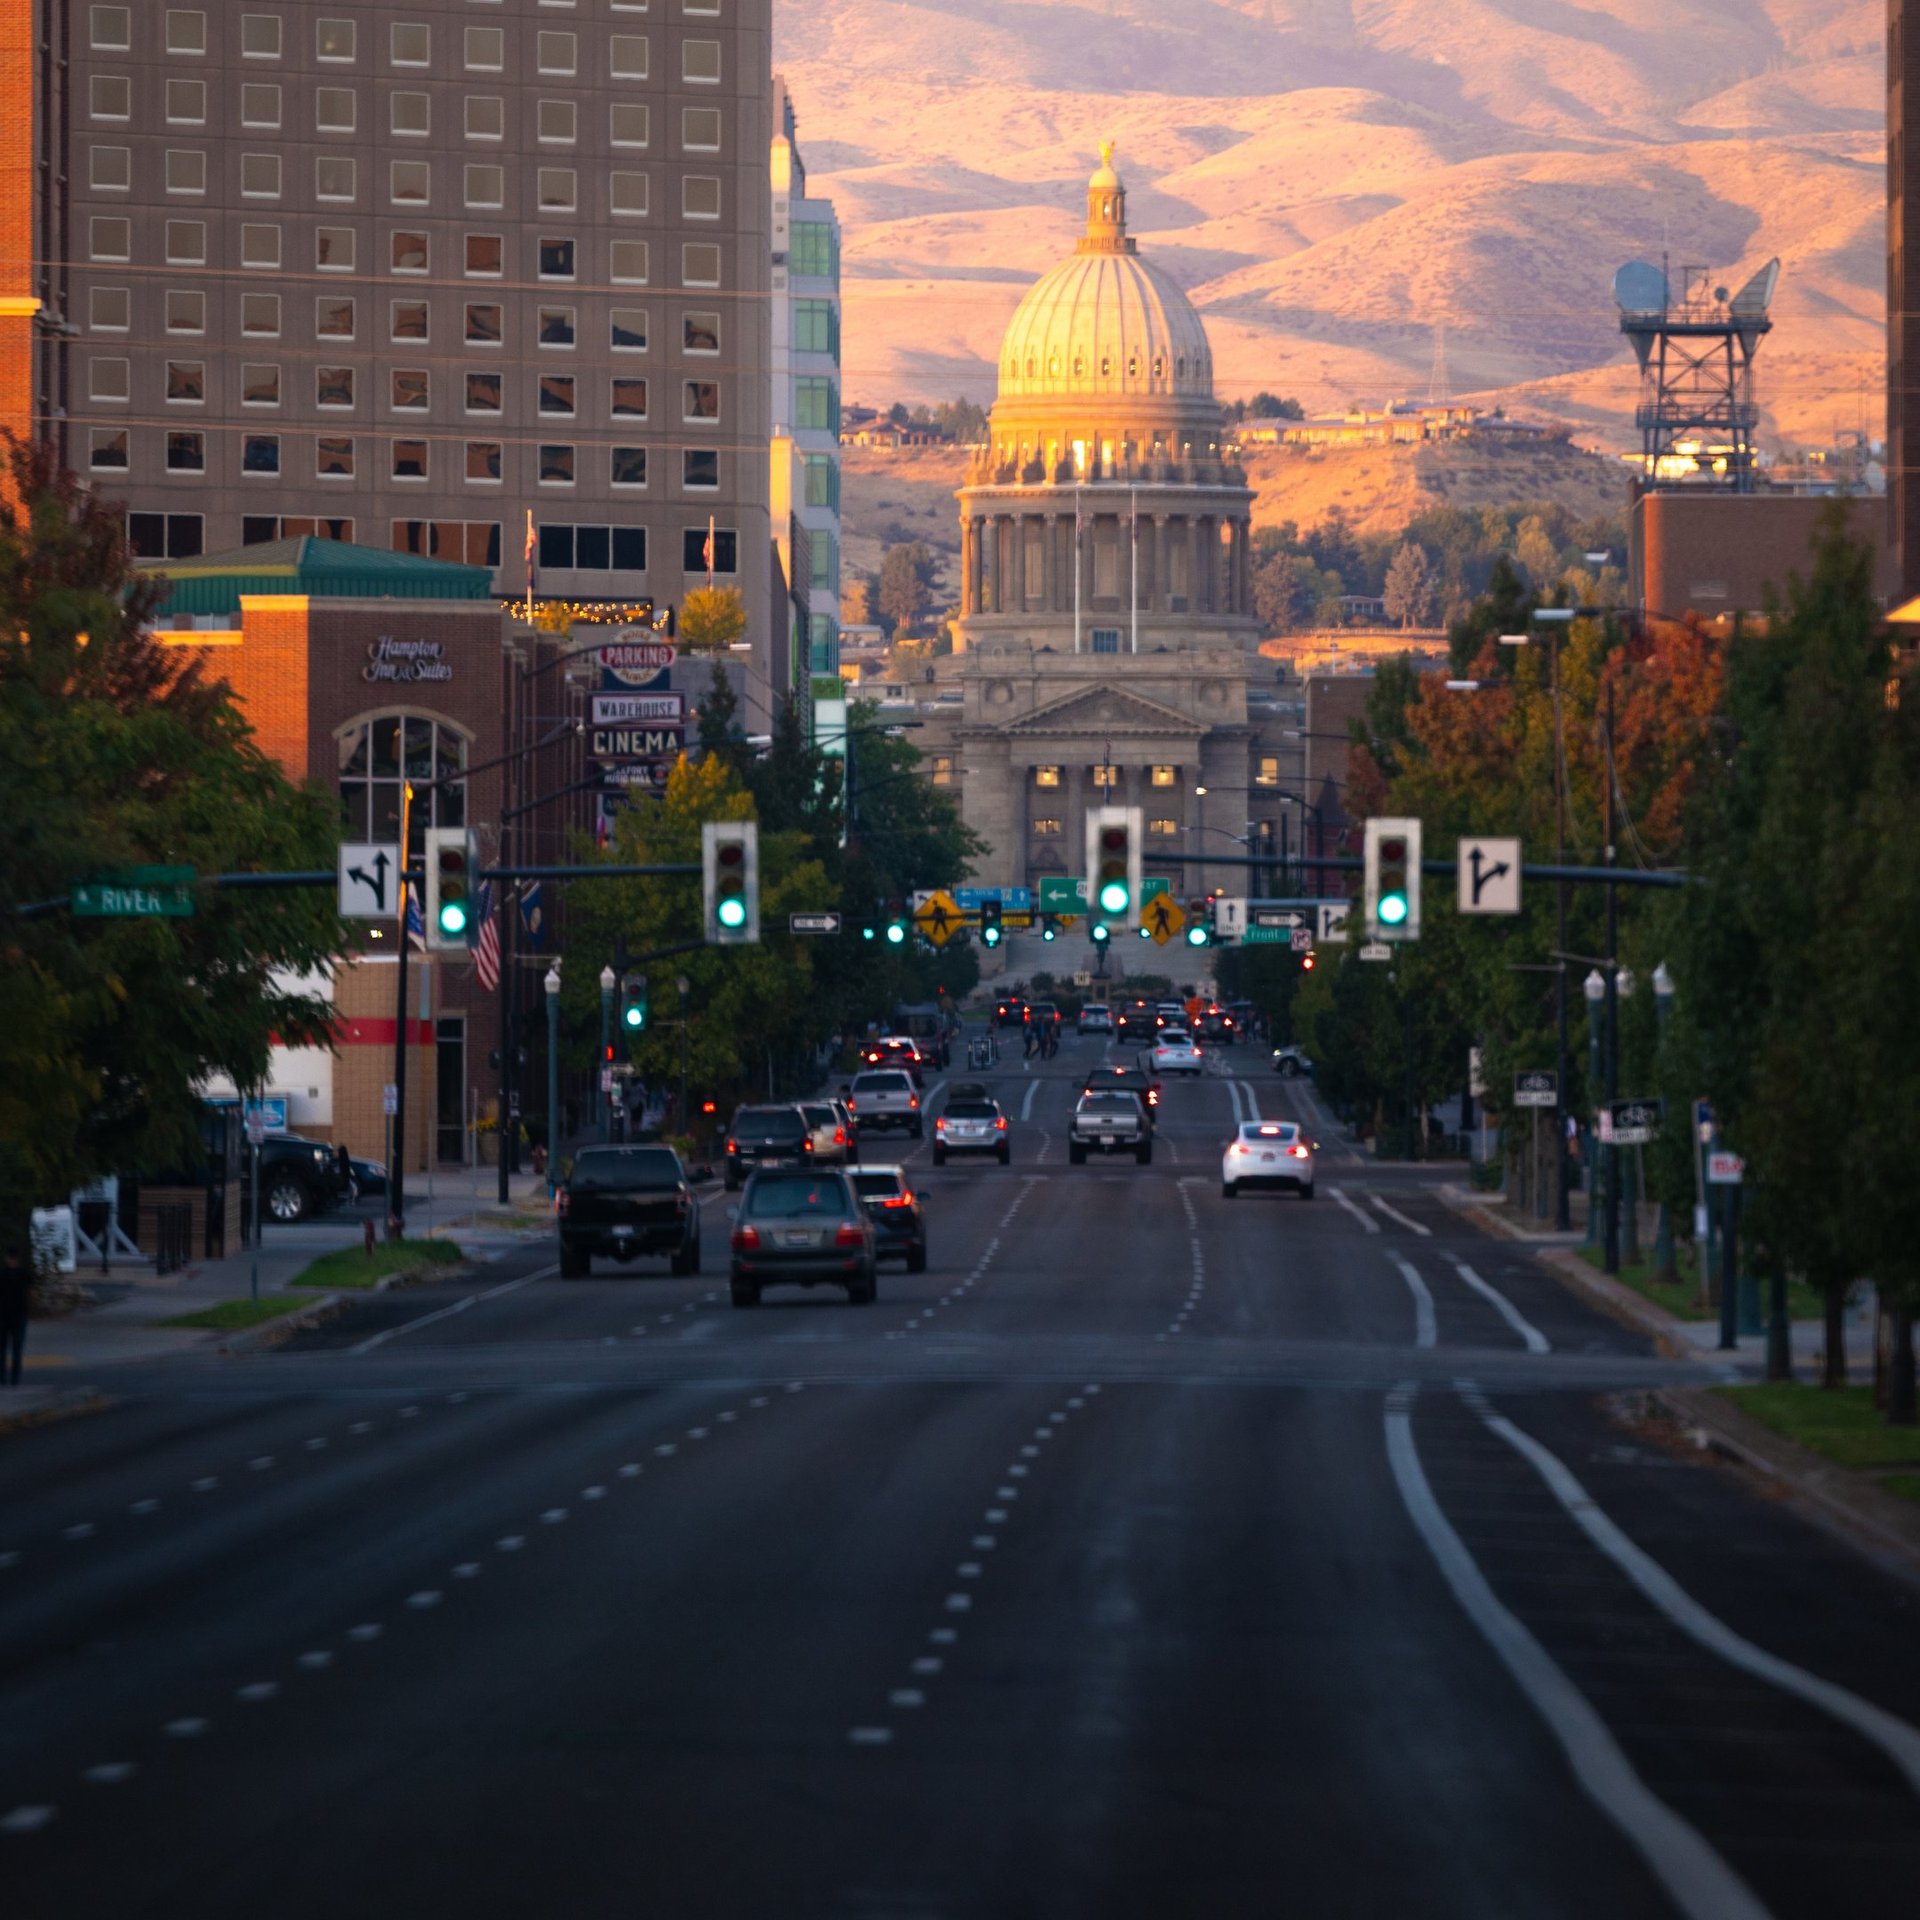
x=366 y=1236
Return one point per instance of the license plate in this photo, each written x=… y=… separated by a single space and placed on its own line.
x=799 y=1239
x=1108 y=1139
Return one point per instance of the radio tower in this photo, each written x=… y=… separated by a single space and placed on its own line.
x=1439 y=386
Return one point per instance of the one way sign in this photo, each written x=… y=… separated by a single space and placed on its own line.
x=1489 y=876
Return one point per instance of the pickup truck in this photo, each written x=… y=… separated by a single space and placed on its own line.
x=884 y=1099
x=1109 y=1123
x=622 y=1202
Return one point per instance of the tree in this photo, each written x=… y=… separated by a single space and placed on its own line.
x=907 y=575
x=1409 y=587
x=717 y=722
x=858 y=593
x=1267 y=406
x=117 y=751
x=712 y=619
x=1286 y=589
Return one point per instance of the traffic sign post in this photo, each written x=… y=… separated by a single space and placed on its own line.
x=938 y=918
x=1332 y=919
x=1161 y=919
x=1631 y=1123
x=1725 y=1169
x=1376 y=950
x=1536 y=1089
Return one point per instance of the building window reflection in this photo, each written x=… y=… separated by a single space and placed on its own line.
x=376 y=753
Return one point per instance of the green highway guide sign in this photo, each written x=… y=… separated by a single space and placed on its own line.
x=137 y=893
x=1067 y=893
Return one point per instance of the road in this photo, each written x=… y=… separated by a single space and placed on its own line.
x=1150 y=1555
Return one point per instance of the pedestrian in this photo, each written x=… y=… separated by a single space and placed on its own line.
x=16 y=1287
x=343 y=1171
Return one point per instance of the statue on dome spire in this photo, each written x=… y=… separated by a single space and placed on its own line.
x=1106 y=209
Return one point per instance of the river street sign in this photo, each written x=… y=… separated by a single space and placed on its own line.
x=137 y=893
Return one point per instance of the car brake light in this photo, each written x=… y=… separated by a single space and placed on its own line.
x=745 y=1239
x=839 y=1136
x=940 y=1125
x=898 y=1200
x=849 y=1235
x=806 y=1145
x=1299 y=1153
x=1000 y=1124
x=913 y=1102
x=733 y=1146
x=1236 y=1148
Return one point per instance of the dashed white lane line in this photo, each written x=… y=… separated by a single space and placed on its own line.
x=367 y=1630
x=943 y=1636
x=1898 y=1740
x=1406 y=1220
x=80 y=1530
x=511 y=1543
x=553 y=1516
x=425 y=1598
x=959 y=1602
x=870 y=1736
x=443 y=1313
x=1425 y=1333
x=261 y=1462
x=1699 y=1881
x=26 y=1819
x=1536 y=1341
x=631 y=1471
x=316 y=1661
x=1366 y=1220
x=906 y=1697
x=467 y=1570
x=206 y=1483
x=188 y=1727
x=109 y=1773
x=1026 y=1105
x=257 y=1691
x=145 y=1506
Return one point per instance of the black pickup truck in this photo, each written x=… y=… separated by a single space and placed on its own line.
x=623 y=1202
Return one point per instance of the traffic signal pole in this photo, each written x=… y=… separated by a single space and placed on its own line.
x=1611 y=1153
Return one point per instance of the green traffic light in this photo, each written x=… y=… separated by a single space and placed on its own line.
x=1048 y=933
x=636 y=1017
x=896 y=933
x=1113 y=896
x=1101 y=936
x=1196 y=936
x=990 y=936
x=1393 y=908
x=453 y=918
x=731 y=912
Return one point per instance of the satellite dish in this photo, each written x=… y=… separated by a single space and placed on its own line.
x=1753 y=300
x=1640 y=287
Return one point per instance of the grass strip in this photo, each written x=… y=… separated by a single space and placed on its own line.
x=1682 y=1298
x=354 y=1267
x=225 y=1315
x=1844 y=1427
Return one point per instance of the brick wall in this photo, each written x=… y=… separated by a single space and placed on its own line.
x=17 y=299
x=266 y=666
x=363 y=993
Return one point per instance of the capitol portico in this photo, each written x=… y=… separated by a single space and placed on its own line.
x=1106 y=638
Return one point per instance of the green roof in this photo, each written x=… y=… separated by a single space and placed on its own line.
x=321 y=569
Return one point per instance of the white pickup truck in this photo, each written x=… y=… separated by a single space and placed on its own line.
x=1109 y=1123
x=885 y=1099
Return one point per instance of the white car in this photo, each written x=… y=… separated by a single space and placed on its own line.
x=1267 y=1153
x=1176 y=1053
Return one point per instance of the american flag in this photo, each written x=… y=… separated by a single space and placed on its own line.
x=706 y=552
x=486 y=948
x=532 y=548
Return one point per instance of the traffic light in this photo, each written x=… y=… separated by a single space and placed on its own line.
x=1113 y=865
x=1100 y=933
x=730 y=854
x=1393 y=879
x=452 y=859
x=1306 y=961
x=633 y=1006
x=989 y=923
x=1199 y=923
x=1050 y=932
x=895 y=925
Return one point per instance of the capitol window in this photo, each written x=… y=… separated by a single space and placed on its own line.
x=1107 y=776
x=1046 y=827
x=1046 y=776
x=1163 y=829
x=1165 y=776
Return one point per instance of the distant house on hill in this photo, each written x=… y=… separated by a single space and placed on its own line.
x=1402 y=423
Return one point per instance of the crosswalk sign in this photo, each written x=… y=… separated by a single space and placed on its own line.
x=938 y=917
x=1163 y=918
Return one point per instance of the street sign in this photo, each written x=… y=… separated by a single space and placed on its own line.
x=136 y=893
x=813 y=923
x=390 y=1100
x=639 y=709
x=1332 y=918
x=638 y=776
x=1703 y=1127
x=1011 y=899
x=1376 y=950
x=1476 y=1073
x=1083 y=979
x=938 y=918
x=606 y=1079
x=637 y=657
x=1288 y=917
x=1162 y=917
x=256 y=1126
x=1301 y=939
x=1536 y=1089
x=1489 y=876
x=369 y=882
x=1230 y=917
x=1725 y=1169
x=1062 y=894
x=1632 y=1123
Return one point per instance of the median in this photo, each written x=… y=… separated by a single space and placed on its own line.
x=392 y=1263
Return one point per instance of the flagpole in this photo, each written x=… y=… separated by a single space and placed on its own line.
x=1078 y=543
x=710 y=531
x=529 y=560
x=397 y=1159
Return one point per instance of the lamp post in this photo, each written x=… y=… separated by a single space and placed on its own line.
x=603 y=1097
x=1629 y=1161
x=1199 y=882
x=1596 y=992
x=684 y=987
x=1663 y=1268
x=553 y=1077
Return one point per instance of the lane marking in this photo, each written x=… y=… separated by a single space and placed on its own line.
x=1699 y=1881
x=1895 y=1737
x=444 y=1313
x=368 y=1630
x=26 y=1819
x=1366 y=1219
x=1026 y=1106
x=258 y=1690
x=906 y=1697
x=1233 y=1094
x=427 y=1597
x=190 y=1728
x=1253 y=1100
x=315 y=1660
x=109 y=1773
x=870 y=1736
x=1536 y=1341
x=1394 y=1213
x=1425 y=1334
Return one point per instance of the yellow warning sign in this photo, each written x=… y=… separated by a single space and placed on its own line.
x=938 y=918
x=1163 y=918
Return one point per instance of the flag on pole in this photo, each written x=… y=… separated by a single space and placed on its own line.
x=486 y=947
x=532 y=916
x=416 y=926
x=706 y=552
x=532 y=550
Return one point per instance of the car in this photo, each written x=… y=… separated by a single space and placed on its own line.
x=298 y=1177
x=896 y=1050
x=883 y=1100
x=807 y=1227
x=899 y=1226
x=1291 y=1062
x=1095 y=1018
x=1134 y=1021
x=1010 y=1010
x=369 y=1178
x=1176 y=1052
x=623 y=1202
x=1267 y=1153
x=765 y=1137
x=1170 y=1013
x=830 y=1131
x=1213 y=1023
x=1109 y=1122
x=971 y=1123
x=1127 y=1080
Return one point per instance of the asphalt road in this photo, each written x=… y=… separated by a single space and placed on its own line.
x=1149 y=1555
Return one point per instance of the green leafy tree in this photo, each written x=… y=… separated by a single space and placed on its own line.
x=1267 y=406
x=712 y=619
x=118 y=751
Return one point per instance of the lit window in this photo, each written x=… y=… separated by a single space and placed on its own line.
x=1106 y=776
x=943 y=772
x=1046 y=826
x=1165 y=776
x=1046 y=776
x=1266 y=771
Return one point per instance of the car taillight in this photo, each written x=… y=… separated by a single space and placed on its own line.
x=560 y=1203
x=839 y=1136
x=806 y=1145
x=1299 y=1153
x=897 y=1200
x=733 y=1146
x=1000 y=1125
x=913 y=1102
x=940 y=1125
x=745 y=1239
x=1236 y=1148
x=852 y=1104
x=849 y=1236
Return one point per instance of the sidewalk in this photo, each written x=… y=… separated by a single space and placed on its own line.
x=131 y=1304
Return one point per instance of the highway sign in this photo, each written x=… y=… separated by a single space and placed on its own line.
x=1332 y=916
x=136 y=893
x=1632 y=1123
x=813 y=923
x=1489 y=876
x=1012 y=899
x=369 y=882
x=938 y=918
x=1062 y=894
x=1162 y=917
x=1725 y=1169
x=1376 y=950
x=1536 y=1089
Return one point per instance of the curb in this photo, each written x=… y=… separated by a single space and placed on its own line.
x=323 y=1306
x=1880 y=1520
x=66 y=1404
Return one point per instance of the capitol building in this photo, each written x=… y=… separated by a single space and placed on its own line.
x=1106 y=646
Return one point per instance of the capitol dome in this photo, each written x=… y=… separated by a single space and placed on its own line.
x=1106 y=321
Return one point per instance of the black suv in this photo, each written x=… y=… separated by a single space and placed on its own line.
x=297 y=1177
x=766 y=1137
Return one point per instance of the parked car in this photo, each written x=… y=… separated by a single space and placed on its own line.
x=624 y=1202
x=298 y=1177
x=766 y=1137
x=806 y=1228
x=830 y=1132
x=1127 y=1080
x=1267 y=1153
x=971 y=1124
x=1290 y=1062
x=1176 y=1052
x=1109 y=1123
x=369 y=1178
x=899 y=1226
x=883 y=1101
x=1095 y=1018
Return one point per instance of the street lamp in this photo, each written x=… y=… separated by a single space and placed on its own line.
x=1663 y=1231
x=603 y=1097
x=553 y=1078
x=1199 y=884
x=683 y=986
x=1629 y=1164
x=1596 y=991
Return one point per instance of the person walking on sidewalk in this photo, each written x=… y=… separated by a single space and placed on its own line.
x=16 y=1285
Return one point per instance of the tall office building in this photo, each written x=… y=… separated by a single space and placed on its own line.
x=806 y=370
x=402 y=274
x=1903 y=296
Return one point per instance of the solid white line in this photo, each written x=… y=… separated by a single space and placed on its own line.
x=442 y=1313
x=1366 y=1220
x=1424 y=1331
x=1253 y=1100
x=1233 y=1094
x=1898 y=1740
x=1537 y=1341
x=1394 y=1213
x=1026 y=1106
x=1699 y=1881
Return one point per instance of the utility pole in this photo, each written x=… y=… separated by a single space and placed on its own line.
x=685 y=987
x=1563 y=1203
x=1611 y=1152
x=397 y=1167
